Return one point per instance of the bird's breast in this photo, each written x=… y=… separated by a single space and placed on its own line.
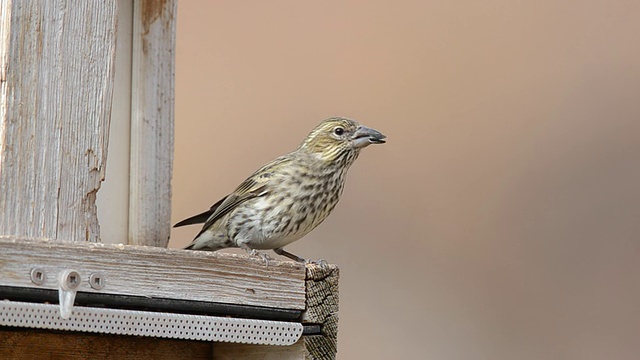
x=288 y=212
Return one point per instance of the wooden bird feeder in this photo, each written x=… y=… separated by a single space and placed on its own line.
x=84 y=269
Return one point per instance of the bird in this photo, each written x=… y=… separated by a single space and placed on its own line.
x=288 y=197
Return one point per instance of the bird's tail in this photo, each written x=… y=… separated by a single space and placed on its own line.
x=206 y=242
x=197 y=219
x=202 y=217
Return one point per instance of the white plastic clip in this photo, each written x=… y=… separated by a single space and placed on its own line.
x=69 y=283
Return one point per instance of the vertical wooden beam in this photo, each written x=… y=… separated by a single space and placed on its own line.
x=152 y=122
x=5 y=32
x=57 y=74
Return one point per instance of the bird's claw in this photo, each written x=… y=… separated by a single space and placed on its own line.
x=319 y=262
x=261 y=255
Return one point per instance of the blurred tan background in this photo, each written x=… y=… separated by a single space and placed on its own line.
x=502 y=218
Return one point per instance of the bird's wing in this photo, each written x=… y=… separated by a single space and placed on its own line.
x=256 y=185
x=202 y=217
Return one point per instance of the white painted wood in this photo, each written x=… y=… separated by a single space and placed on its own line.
x=59 y=78
x=152 y=122
x=113 y=198
x=157 y=272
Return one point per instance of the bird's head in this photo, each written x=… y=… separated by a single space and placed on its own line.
x=340 y=138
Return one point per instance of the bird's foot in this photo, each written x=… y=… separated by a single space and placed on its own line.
x=319 y=262
x=261 y=255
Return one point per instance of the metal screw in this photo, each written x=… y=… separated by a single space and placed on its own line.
x=97 y=280
x=71 y=279
x=38 y=276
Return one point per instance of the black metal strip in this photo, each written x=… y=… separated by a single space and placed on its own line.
x=152 y=304
x=311 y=329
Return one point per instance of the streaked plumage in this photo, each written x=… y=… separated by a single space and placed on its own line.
x=287 y=198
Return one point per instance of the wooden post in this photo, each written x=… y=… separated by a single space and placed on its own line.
x=154 y=25
x=57 y=81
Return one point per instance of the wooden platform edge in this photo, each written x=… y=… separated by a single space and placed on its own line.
x=156 y=272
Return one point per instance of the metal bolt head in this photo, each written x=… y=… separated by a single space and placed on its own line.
x=70 y=279
x=97 y=280
x=38 y=276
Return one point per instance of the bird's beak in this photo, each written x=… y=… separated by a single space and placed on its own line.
x=365 y=136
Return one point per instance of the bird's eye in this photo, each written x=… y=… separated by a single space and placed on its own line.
x=338 y=131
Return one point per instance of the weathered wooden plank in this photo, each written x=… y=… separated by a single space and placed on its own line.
x=5 y=33
x=152 y=113
x=157 y=272
x=58 y=73
x=322 y=308
x=234 y=351
x=29 y=344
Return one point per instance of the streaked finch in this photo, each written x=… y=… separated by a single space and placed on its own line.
x=287 y=198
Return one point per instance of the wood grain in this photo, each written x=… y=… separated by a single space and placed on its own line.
x=152 y=111
x=57 y=71
x=5 y=35
x=322 y=308
x=157 y=272
x=29 y=344
x=234 y=351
